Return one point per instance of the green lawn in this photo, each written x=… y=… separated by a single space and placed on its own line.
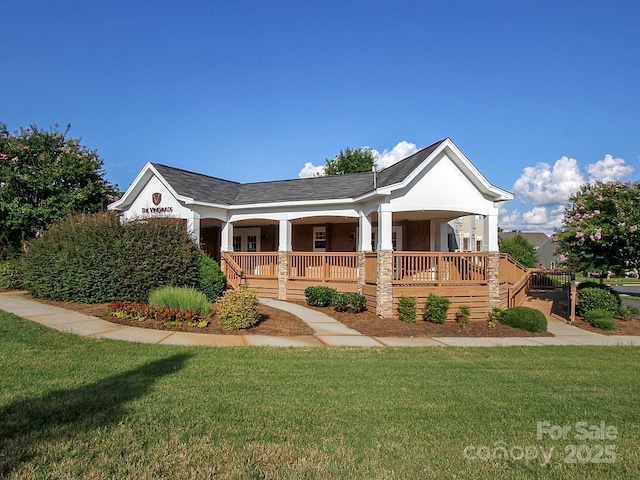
x=78 y=408
x=610 y=281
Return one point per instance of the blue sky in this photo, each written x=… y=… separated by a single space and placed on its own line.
x=252 y=91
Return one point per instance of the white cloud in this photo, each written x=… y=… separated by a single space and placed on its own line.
x=535 y=217
x=388 y=157
x=543 y=185
x=609 y=169
x=311 y=170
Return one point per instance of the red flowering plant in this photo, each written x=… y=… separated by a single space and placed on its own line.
x=143 y=311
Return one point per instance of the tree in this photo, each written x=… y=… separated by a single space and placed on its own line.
x=45 y=176
x=520 y=249
x=600 y=228
x=352 y=160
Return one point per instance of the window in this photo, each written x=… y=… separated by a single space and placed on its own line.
x=319 y=239
x=237 y=243
x=252 y=243
x=246 y=239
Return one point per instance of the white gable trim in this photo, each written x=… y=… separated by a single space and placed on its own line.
x=138 y=184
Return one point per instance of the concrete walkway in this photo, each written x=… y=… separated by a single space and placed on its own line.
x=328 y=331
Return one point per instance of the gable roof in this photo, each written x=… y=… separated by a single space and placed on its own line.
x=201 y=188
x=537 y=239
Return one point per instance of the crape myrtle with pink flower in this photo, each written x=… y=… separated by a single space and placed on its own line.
x=44 y=177
x=600 y=228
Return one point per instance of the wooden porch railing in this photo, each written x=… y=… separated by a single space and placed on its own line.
x=256 y=264
x=325 y=267
x=439 y=268
x=515 y=280
x=234 y=273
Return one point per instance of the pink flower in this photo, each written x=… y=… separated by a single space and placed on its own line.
x=633 y=228
x=579 y=234
x=14 y=160
x=597 y=212
x=3 y=156
x=563 y=258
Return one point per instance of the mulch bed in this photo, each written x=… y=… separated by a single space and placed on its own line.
x=272 y=321
x=280 y=323
x=371 y=324
x=631 y=327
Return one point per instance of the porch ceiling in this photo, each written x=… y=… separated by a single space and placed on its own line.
x=428 y=215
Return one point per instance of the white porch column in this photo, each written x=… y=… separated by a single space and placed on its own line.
x=284 y=244
x=193 y=226
x=364 y=239
x=284 y=247
x=385 y=228
x=490 y=234
x=226 y=242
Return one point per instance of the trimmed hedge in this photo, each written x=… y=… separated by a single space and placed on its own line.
x=525 y=318
x=601 y=319
x=98 y=259
x=596 y=299
x=211 y=280
x=319 y=296
x=10 y=274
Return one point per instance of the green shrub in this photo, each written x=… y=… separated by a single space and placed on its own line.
x=350 y=302
x=238 y=309
x=596 y=299
x=211 y=280
x=181 y=298
x=463 y=315
x=496 y=314
x=525 y=318
x=407 y=310
x=601 y=286
x=435 y=308
x=98 y=259
x=628 y=313
x=601 y=319
x=319 y=296
x=10 y=274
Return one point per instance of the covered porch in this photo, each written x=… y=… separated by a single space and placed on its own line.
x=382 y=254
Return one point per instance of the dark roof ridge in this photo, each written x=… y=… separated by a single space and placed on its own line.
x=432 y=146
x=194 y=173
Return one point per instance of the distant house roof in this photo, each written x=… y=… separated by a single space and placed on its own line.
x=537 y=239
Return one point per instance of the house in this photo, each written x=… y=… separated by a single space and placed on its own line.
x=544 y=245
x=383 y=234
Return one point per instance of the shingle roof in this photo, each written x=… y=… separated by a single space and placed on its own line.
x=537 y=239
x=204 y=188
x=397 y=172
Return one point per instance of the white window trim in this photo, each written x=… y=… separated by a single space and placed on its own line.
x=313 y=238
x=244 y=233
